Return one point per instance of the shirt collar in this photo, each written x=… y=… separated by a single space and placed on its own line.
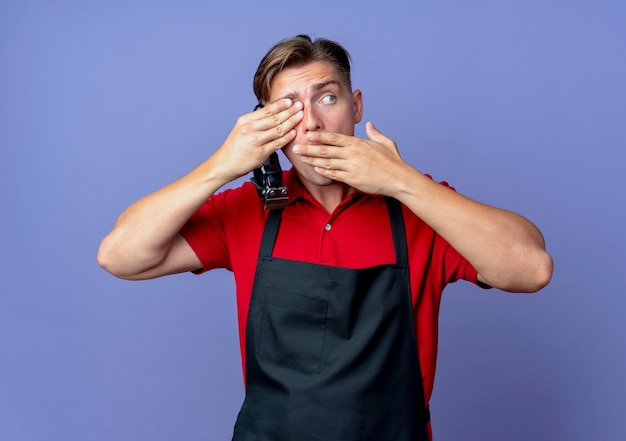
x=294 y=186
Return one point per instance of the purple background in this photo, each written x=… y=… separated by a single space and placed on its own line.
x=520 y=104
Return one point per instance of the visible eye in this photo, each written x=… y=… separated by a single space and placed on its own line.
x=329 y=99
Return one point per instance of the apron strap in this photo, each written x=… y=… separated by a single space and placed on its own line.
x=398 y=231
x=270 y=232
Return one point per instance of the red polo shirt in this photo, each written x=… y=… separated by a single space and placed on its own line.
x=226 y=233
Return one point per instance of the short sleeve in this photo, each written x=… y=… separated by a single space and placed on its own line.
x=205 y=234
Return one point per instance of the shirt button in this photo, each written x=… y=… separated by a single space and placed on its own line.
x=327 y=227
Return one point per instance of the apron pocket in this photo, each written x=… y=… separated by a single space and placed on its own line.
x=293 y=329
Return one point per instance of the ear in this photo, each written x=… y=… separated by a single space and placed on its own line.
x=357 y=105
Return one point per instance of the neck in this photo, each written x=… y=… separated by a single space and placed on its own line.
x=331 y=195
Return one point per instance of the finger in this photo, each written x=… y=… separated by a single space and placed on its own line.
x=280 y=129
x=265 y=125
x=277 y=124
x=372 y=132
x=273 y=114
x=284 y=115
x=330 y=138
x=325 y=163
x=271 y=109
x=376 y=135
x=335 y=175
x=277 y=143
x=318 y=151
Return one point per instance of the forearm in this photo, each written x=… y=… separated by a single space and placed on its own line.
x=506 y=249
x=144 y=241
x=143 y=234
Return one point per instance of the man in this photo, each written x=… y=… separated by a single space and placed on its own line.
x=338 y=292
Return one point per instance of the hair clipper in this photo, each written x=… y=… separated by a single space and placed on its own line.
x=268 y=180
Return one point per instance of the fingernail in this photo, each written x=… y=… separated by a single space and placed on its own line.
x=296 y=148
x=299 y=105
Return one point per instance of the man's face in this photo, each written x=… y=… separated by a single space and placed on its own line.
x=328 y=106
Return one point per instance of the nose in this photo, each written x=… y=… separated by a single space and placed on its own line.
x=311 y=120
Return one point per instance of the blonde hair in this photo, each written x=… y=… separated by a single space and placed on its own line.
x=298 y=51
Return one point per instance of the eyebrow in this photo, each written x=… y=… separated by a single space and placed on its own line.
x=316 y=87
